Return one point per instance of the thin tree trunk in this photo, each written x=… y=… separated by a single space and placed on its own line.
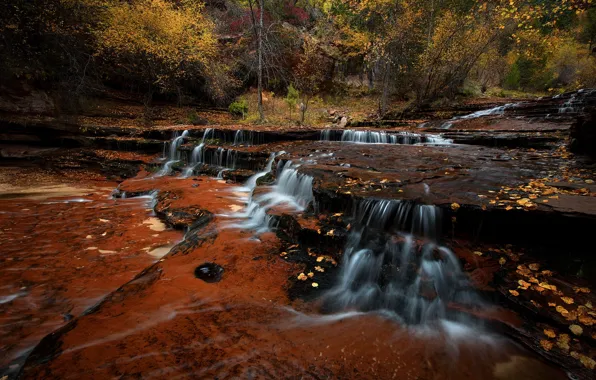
x=260 y=68
x=385 y=94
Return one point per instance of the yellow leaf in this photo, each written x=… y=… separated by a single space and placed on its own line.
x=546 y=345
x=523 y=284
x=455 y=206
x=315 y=285
x=587 y=362
x=514 y=293
x=534 y=266
x=561 y=310
x=302 y=277
x=478 y=253
x=508 y=208
x=549 y=333
x=311 y=274
x=567 y=300
x=577 y=330
x=502 y=261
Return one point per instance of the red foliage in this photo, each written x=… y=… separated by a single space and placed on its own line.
x=296 y=15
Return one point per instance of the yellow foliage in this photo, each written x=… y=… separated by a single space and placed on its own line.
x=168 y=39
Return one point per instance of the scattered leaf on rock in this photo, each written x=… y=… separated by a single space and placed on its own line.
x=514 y=293
x=547 y=345
x=502 y=261
x=576 y=329
x=567 y=300
x=534 y=266
x=315 y=285
x=302 y=277
x=561 y=310
x=455 y=206
x=478 y=253
x=549 y=333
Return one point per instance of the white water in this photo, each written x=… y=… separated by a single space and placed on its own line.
x=173 y=155
x=500 y=110
x=385 y=267
x=292 y=190
x=380 y=137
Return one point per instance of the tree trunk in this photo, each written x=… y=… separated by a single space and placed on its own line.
x=385 y=94
x=260 y=64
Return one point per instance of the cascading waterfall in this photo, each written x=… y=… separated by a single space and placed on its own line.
x=380 y=137
x=291 y=189
x=221 y=157
x=387 y=267
x=174 y=153
x=500 y=110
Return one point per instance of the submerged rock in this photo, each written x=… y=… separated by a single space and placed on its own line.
x=209 y=272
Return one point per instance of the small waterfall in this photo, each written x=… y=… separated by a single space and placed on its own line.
x=500 y=110
x=251 y=183
x=174 y=153
x=291 y=189
x=386 y=267
x=380 y=137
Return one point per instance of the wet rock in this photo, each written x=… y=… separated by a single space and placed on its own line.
x=583 y=134
x=209 y=272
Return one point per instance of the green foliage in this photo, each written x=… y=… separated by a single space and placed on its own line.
x=239 y=108
x=513 y=79
x=292 y=98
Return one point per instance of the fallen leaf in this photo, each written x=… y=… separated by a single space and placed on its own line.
x=567 y=300
x=549 y=333
x=502 y=261
x=523 y=201
x=514 y=293
x=523 y=284
x=577 y=330
x=586 y=320
x=534 y=266
x=330 y=233
x=455 y=206
x=311 y=274
x=547 y=345
x=587 y=362
x=319 y=269
x=561 y=310
x=563 y=342
x=302 y=277
x=581 y=290
x=478 y=253
x=508 y=208
x=315 y=285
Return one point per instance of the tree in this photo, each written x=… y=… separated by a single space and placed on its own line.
x=291 y=98
x=310 y=73
x=161 y=45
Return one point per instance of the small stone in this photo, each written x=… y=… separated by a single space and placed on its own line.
x=209 y=272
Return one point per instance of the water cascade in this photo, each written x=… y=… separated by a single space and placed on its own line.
x=379 y=137
x=291 y=189
x=221 y=157
x=174 y=153
x=392 y=262
x=500 y=110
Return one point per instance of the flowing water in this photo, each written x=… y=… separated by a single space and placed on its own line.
x=393 y=262
x=173 y=155
x=380 y=137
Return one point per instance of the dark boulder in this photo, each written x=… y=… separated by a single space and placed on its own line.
x=583 y=133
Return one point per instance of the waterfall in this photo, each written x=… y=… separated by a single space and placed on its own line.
x=174 y=154
x=292 y=190
x=380 y=137
x=499 y=110
x=251 y=183
x=392 y=262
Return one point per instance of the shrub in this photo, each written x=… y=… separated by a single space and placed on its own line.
x=239 y=108
x=292 y=98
